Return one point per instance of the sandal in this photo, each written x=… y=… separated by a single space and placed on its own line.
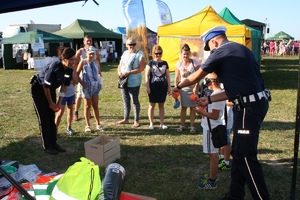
x=87 y=129
x=180 y=129
x=192 y=129
x=75 y=118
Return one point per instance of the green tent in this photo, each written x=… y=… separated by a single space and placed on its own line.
x=256 y=35
x=80 y=28
x=24 y=38
x=280 y=36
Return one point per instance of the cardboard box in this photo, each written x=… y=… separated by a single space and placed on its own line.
x=103 y=150
x=130 y=196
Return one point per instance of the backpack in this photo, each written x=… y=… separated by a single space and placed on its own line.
x=81 y=181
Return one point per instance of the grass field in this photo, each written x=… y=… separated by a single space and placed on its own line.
x=161 y=163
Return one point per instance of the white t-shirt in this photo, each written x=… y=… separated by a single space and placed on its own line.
x=219 y=105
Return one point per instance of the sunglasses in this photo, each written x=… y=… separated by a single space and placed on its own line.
x=133 y=44
x=209 y=80
x=158 y=53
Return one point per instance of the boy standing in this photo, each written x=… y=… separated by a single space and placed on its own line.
x=213 y=113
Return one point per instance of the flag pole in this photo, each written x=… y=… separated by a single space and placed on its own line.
x=296 y=140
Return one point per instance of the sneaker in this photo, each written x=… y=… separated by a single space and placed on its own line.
x=51 y=151
x=220 y=159
x=59 y=148
x=163 y=127
x=100 y=128
x=222 y=166
x=70 y=131
x=209 y=185
x=151 y=127
x=205 y=177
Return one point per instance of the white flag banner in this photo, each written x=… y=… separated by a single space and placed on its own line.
x=164 y=12
x=134 y=13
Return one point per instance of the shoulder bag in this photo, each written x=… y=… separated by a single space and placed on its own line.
x=122 y=81
x=219 y=133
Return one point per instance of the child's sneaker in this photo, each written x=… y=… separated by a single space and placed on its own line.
x=205 y=177
x=100 y=128
x=220 y=159
x=70 y=131
x=209 y=185
x=223 y=166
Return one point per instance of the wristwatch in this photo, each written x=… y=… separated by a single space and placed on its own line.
x=177 y=86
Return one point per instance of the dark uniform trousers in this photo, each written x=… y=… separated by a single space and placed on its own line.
x=245 y=166
x=45 y=115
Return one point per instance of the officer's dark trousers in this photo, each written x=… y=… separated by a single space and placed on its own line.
x=45 y=115
x=245 y=166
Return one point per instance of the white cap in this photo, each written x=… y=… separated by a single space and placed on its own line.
x=91 y=49
x=209 y=34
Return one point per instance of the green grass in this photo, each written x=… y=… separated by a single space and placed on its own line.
x=162 y=163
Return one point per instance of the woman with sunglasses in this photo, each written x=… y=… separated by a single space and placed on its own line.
x=43 y=92
x=132 y=63
x=185 y=67
x=157 y=78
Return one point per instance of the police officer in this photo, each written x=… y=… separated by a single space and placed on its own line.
x=43 y=91
x=238 y=70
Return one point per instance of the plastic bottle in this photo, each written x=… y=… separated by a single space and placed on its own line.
x=177 y=102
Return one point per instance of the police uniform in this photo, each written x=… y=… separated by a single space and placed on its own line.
x=238 y=70
x=52 y=77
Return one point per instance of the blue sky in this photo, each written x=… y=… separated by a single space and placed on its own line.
x=280 y=15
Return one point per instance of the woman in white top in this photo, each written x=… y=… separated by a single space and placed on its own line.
x=185 y=67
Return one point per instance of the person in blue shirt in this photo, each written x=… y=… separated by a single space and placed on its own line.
x=132 y=64
x=240 y=74
x=43 y=92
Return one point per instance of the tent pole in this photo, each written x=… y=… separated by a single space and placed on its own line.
x=296 y=140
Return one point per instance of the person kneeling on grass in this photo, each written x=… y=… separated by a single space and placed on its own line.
x=213 y=114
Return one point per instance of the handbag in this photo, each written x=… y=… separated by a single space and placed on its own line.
x=219 y=133
x=122 y=81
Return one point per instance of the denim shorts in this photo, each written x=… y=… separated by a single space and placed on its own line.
x=68 y=100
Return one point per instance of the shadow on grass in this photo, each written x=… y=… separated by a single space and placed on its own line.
x=175 y=168
x=280 y=74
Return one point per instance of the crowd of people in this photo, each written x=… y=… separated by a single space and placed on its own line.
x=280 y=47
x=228 y=86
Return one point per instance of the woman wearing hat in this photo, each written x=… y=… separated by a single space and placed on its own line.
x=91 y=82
